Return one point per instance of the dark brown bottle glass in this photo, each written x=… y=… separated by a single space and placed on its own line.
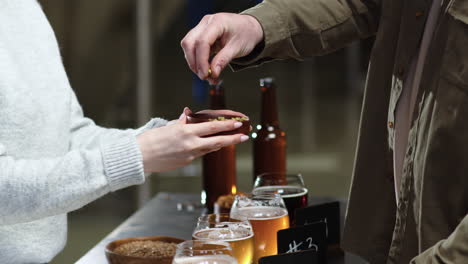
x=219 y=168
x=269 y=141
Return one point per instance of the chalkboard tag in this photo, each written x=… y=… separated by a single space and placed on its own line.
x=310 y=237
x=328 y=213
x=301 y=257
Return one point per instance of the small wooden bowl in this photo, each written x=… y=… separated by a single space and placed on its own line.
x=212 y=116
x=114 y=258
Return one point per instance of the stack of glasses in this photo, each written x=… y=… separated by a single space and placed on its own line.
x=248 y=233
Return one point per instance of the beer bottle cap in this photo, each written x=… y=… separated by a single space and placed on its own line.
x=266 y=81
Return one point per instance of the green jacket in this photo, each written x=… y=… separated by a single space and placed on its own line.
x=430 y=223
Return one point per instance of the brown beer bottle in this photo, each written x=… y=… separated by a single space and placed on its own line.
x=219 y=167
x=269 y=141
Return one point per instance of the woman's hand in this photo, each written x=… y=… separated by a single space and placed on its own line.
x=174 y=146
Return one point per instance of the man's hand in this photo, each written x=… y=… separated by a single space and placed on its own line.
x=174 y=146
x=227 y=35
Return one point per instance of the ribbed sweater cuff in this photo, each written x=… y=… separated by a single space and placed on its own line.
x=123 y=163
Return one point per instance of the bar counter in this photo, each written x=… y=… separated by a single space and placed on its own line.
x=160 y=217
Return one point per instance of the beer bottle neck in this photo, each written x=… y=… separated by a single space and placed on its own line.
x=217 y=100
x=269 y=114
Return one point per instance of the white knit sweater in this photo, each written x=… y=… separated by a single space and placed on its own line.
x=52 y=159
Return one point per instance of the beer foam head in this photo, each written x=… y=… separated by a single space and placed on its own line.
x=267 y=199
x=226 y=234
x=259 y=212
x=284 y=191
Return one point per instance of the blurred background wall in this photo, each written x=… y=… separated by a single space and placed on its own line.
x=319 y=99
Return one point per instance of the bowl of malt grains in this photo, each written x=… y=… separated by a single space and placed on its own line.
x=142 y=250
x=221 y=115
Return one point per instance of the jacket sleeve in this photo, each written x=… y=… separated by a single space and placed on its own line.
x=303 y=28
x=452 y=250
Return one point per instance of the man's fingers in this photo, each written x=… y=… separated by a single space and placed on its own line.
x=216 y=47
x=214 y=127
x=197 y=45
x=202 y=54
x=221 y=60
x=211 y=33
x=188 y=45
x=188 y=49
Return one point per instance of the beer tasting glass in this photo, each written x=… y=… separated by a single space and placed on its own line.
x=267 y=215
x=238 y=233
x=204 y=252
x=291 y=187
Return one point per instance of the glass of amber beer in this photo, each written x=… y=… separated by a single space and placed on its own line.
x=267 y=214
x=291 y=187
x=204 y=252
x=238 y=233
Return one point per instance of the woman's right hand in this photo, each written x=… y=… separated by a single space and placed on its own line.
x=174 y=146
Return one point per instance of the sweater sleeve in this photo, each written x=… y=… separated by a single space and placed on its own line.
x=36 y=188
x=304 y=28
x=86 y=134
x=99 y=160
x=121 y=155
